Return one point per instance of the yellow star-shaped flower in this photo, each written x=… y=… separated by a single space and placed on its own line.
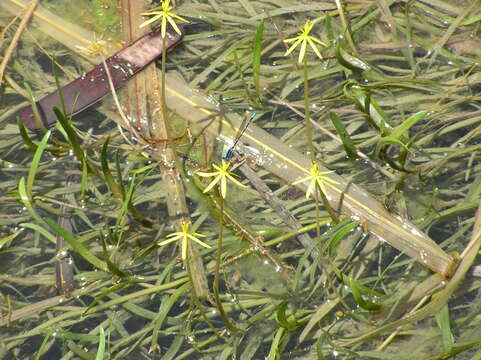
x=317 y=178
x=167 y=15
x=222 y=174
x=184 y=235
x=96 y=47
x=304 y=38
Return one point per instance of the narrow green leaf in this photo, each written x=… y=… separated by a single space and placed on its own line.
x=35 y=162
x=275 y=350
x=350 y=62
x=167 y=304
x=33 y=103
x=256 y=60
x=174 y=347
x=103 y=294
x=83 y=182
x=127 y=202
x=244 y=82
x=118 y=170
x=281 y=315
x=320 y=341
x=356 y=293
x=344 y=135
x=71 y=135
x=442 y=319
x=401 y=129
x=114 y=269
x=393 y=141
x=101 y=349
x=113 y=186
x=363 y=100
x=328 y=27
x=43 y=347
x=26 y=139
x=6 y=240
x=341 y=234
x=471 y=20
x=59 y=87
x=26 y=200
x=41 y=230
x=77 y=246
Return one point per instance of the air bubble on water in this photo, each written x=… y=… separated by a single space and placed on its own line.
x=416 y=232
x=61 y=254
x=423 y=255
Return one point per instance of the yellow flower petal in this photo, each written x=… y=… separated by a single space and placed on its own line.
x=199 y=242
x=168 y=241
x=211 y=185
x=302 y=52
x=302 y=180
x=237 y=182
x=163 y=27
x=314 y=47
x=184 y=249
x=174 y=25
x=310 y=189
x=292 y=39
x=316 y=40
x=223 y=187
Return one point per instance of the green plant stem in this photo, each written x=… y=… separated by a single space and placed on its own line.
x=310 y=145
x=195 y=299
x=218 y=259
x=307 y=114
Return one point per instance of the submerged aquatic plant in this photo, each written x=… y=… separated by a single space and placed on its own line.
x=255 y=308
